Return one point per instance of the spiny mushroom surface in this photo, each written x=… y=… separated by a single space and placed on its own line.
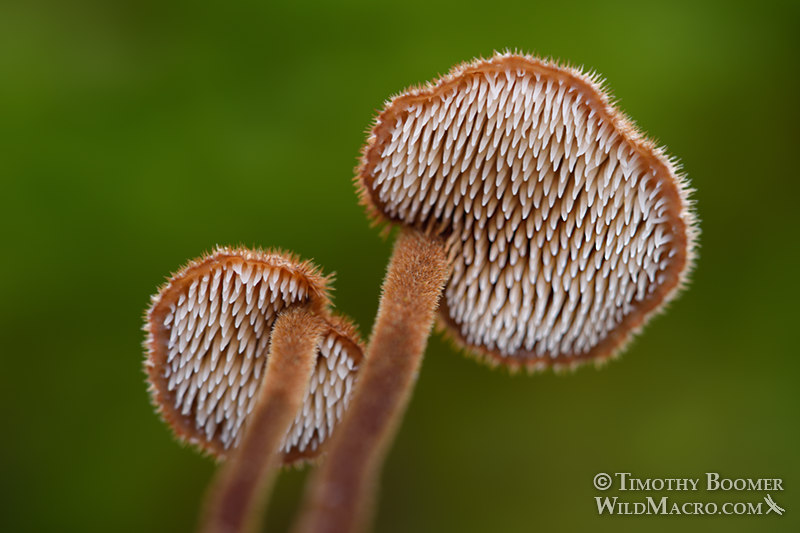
x=567 y=227
x=329 y=391
x=208 y=339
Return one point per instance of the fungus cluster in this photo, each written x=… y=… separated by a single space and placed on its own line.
x=534 y=219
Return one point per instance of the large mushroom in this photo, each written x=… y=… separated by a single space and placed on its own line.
x=552 y=228
x=246 y=362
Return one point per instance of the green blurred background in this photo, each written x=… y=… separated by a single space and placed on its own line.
x=135 y=135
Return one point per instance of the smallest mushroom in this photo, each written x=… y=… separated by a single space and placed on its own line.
x=244 y=357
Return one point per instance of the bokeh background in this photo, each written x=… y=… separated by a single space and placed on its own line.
x=135 y=135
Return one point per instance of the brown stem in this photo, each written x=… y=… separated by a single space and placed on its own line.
x=237 y=496
x=339 y=499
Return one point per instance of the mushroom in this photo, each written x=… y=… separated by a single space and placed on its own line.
x=554 y=229
x=246 y=362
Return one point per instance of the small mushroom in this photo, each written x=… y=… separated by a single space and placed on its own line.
x=552 y=228
x=246 y=362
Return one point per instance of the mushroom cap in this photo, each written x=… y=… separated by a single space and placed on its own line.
x=208 y=335
x=567 y=228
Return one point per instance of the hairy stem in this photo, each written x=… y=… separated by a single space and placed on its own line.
x=238 y=494
x=340 y=497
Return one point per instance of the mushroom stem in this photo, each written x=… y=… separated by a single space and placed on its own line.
x=237 y=497
x=340 y=496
